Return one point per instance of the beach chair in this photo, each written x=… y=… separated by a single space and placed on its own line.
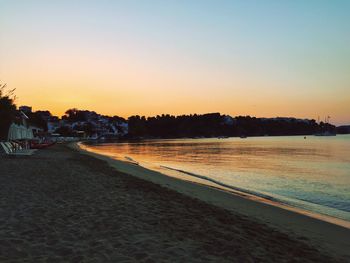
x=16 y=146
x=10 y=147
x=6 y=148
x=10 y=150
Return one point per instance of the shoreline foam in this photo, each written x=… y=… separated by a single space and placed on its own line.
x=323 y=231
x=261 y=197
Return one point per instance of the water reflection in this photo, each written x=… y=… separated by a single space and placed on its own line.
x=312 y=173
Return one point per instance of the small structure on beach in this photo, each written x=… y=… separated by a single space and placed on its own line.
x=20 y=129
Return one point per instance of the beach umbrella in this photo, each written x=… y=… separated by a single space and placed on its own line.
x=14 y=132
x=23 y=132
x=10 y=133
x=30 y=133
x=17 y=131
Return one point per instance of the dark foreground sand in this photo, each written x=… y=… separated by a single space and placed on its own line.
x=62 y=206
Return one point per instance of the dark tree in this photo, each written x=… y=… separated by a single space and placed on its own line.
x=65 y=131
x=73 y=115
x=7 y=110
x=215 y=124
x=36 y=119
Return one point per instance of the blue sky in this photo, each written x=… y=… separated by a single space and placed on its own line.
x=263 y=58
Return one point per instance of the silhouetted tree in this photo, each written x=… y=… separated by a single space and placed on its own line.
x=88 y=128
x=36 y=119
x=138 y=126
x=73 y=115
x=344 y=129
x=215 y=124
x=7 y=110
x=65 y=131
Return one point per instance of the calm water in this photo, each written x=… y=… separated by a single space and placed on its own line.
x=312 y=173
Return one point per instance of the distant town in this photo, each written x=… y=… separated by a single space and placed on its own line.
x=75 y=123
x=91 y=125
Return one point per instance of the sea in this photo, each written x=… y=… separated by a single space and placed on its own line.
x=311 y=173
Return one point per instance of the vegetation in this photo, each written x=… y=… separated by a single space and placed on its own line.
x=215 y=125
x=36 y=119
x=7 y=110
x=161 y=126
x=345 y=129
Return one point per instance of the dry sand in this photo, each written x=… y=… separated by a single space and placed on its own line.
x=62 y=206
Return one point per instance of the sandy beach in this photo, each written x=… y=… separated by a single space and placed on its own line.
x=61 y=205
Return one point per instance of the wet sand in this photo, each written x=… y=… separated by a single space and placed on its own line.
x=60 y=205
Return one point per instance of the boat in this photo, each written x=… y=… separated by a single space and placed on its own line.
x=326 y=133
x=41 y=145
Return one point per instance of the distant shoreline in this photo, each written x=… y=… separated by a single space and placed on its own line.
x=328 y=232
x=194 y=138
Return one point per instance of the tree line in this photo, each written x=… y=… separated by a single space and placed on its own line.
x=215 y=125
x=165 y=125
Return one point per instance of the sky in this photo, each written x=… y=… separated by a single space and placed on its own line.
x=260 y=58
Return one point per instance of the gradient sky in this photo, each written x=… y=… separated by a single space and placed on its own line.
x=262 y=58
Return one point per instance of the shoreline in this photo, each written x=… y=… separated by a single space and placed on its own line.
x=62 y=205
x=324 y=232
x=263 y=199
x=233 y=190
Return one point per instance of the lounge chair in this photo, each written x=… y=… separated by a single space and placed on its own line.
x=9 y=149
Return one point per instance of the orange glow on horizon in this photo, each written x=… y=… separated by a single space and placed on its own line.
x=123 y=59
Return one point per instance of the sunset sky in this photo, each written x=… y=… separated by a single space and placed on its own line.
x=261 y=58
